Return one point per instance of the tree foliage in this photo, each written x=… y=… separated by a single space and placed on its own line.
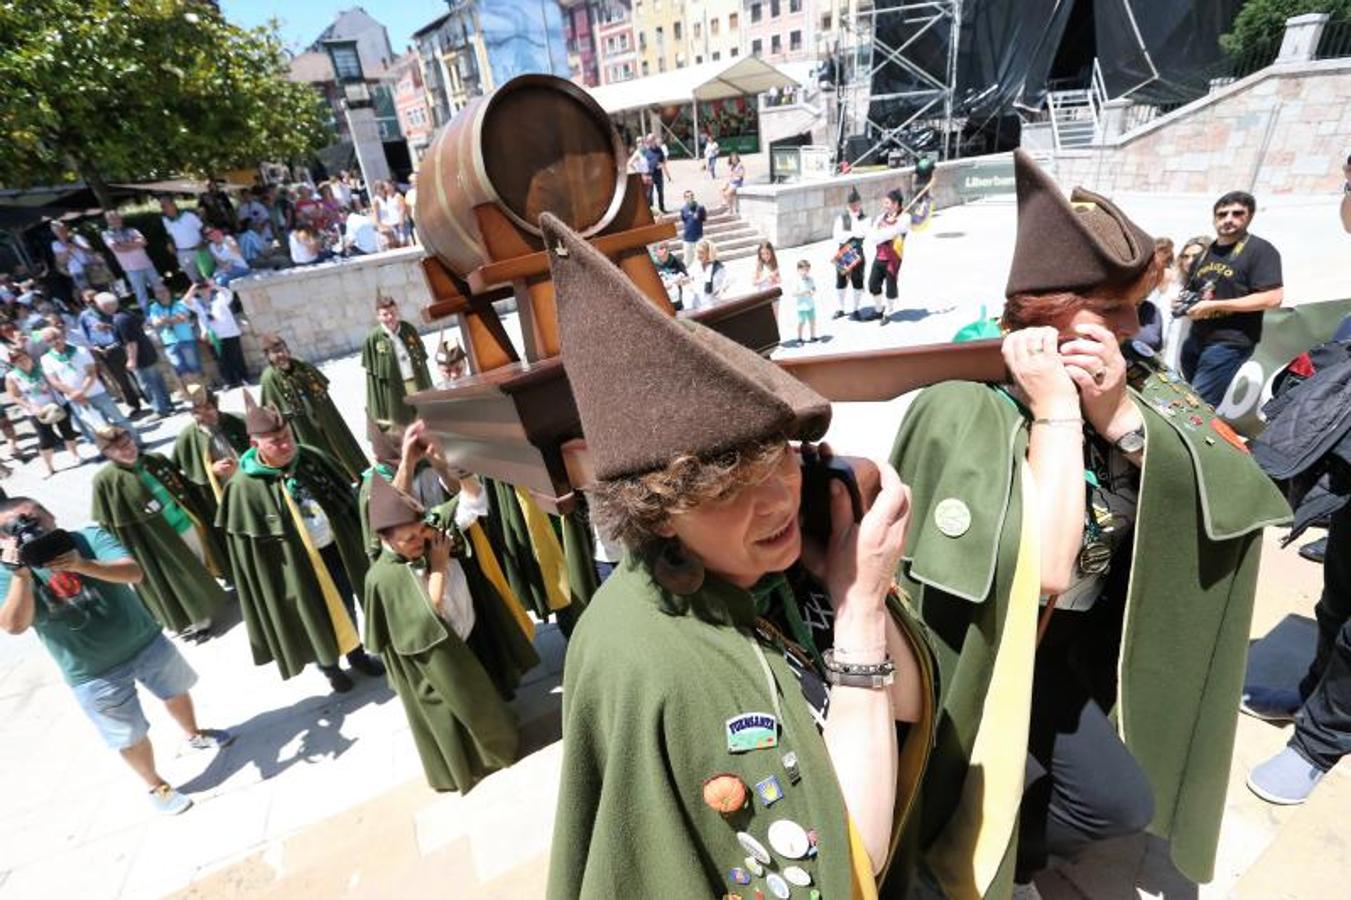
x=124 y=90
x=1262 y=22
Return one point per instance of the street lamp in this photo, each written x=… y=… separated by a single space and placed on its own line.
x=361 y=123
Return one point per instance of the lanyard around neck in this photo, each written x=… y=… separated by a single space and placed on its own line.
x=770 y=683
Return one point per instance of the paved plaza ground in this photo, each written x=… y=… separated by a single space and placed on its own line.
x=322 y=796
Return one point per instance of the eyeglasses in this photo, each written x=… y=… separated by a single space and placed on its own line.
x=1231 y=214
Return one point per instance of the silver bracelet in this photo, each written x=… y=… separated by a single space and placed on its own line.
x=872 y=675
x=1063 y=423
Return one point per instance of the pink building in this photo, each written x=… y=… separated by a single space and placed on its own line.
x=410 y=103
x=616 y=41
x=580 y=36
x=780 y=30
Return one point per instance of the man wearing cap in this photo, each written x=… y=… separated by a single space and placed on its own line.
x=144 y=500
x=208 y=451
x=300 y=392
x=396 y=364
x=290 y=521
x=454 y=645
x=730 y=716
x=1032 y=501
x=849 y=232
x=451 y=363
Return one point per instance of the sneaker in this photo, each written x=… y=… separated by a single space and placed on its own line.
x=1271 y=704
x=884 y=320
x=366 y=664
x=839 y=314
x=1286 y=779
x=211 y=739
x=1314 y=551
x=168 y=801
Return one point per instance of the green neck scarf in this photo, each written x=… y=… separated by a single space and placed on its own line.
x=253 y=465
x=174 y=514
x=772 y=590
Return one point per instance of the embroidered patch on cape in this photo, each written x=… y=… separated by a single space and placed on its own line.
x=752 y=731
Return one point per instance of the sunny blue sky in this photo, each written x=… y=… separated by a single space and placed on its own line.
x=302 y=20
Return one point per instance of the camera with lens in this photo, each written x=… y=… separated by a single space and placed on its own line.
x=36 y=545
x=1187 y=298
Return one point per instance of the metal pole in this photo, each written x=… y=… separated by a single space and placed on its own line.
x=954 y=48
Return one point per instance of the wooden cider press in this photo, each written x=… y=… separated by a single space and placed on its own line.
x=540 y=143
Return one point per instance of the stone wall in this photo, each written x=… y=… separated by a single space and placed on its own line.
x=1283 y=130
x=326 y=310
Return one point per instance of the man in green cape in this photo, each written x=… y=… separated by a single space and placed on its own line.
x=157 y=514
x=290 y=522
x=1167 y=664
x=299 y=392
x=396 y=365
x=453 y=649
x=677 y=781
x=402 y=457
x=208 y=451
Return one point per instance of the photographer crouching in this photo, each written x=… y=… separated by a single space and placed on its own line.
x=74 y=587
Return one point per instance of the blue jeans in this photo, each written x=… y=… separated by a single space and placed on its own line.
x=223 y=277
x=1210 y=367
x=101 y=411
x=151 y=380
x=141 y=281
x=184 y=357
x=111 y=702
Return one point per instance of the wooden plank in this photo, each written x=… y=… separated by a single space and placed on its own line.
x=537 y=263
x=877 y=375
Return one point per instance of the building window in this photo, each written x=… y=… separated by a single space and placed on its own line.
x=733 y=20
x=698 y=60
x=825 y=21
x=676 y=30
x=773 y=9
x=757 y=47
x=735 y=51
x=660 y=36
x=795 y=6
x=645 y=67
x=642 y=40
x=717 y=55
x=698 y=31
x=794 y=40
x=713 y=26
x=661 y=65
x=775 y=45
x=757 y=12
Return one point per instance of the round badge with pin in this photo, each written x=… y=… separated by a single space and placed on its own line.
x=754 y=866
x=753 y=847
x=789 y=839
x=797 y=875
x=777 y=886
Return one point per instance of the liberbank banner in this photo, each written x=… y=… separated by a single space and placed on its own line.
x=1286 y=333
x=985 y=178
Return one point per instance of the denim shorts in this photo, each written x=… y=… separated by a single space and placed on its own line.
x=111 y=702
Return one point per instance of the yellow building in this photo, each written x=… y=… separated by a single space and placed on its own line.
x=713 y=30
x=662 y=36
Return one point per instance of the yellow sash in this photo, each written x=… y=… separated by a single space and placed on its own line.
x=966 y=857
x=213 y=565
x=548 y=553
x=864 y=882
x=487 y=561
x=211 y=475
x=344 y=632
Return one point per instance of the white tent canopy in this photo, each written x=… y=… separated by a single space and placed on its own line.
x=706 y=81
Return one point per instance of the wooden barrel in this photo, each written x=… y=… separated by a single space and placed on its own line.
x=538 y=143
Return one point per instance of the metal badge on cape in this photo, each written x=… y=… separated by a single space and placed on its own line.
x=752 y=731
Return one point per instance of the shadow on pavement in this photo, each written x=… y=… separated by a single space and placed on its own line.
x=317 y=721
x=1278 y=659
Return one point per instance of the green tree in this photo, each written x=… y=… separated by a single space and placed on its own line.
x=1263 y=21
x=125 y=90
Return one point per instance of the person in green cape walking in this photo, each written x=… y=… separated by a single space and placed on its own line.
x=144 y=500
x=396 y=365
x=300 y=392
x=1084 y=546
x=454 y=650
x=290 y=522
x=208 y=451
x=402 y=455
x=743 y=710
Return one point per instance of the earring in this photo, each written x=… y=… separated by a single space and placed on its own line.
x=675 y=570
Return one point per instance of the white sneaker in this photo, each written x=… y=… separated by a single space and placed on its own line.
x=169 y=801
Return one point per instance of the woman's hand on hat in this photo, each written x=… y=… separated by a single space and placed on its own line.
x=1094 y=361
x=1031 y=356
x=861 y=557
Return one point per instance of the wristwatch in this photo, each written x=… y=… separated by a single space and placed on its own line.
x=874 y=676
x=1131 y=441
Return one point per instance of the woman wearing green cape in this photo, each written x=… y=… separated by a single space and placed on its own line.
x=742 y=711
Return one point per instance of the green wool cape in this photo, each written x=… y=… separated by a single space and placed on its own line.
x=451 y=689
x=1180 y=654
x=507 y=532
x=650 y=682
x=301 y=395
x=192 y=449
x=279 y=593
x=176 y=588
x=384 y=383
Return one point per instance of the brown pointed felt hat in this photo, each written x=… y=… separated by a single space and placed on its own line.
x=383 y=446
x=269 y=340
x=389 y=507
x=201 y=395
x=260 y=419
x=650 y=388
x=106 y=436
x=1071 y=245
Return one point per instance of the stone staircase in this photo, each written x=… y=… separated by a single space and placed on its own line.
x=734 y=238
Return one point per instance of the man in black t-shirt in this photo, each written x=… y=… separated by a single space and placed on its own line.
x=1238 y=278
x=141 y=360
